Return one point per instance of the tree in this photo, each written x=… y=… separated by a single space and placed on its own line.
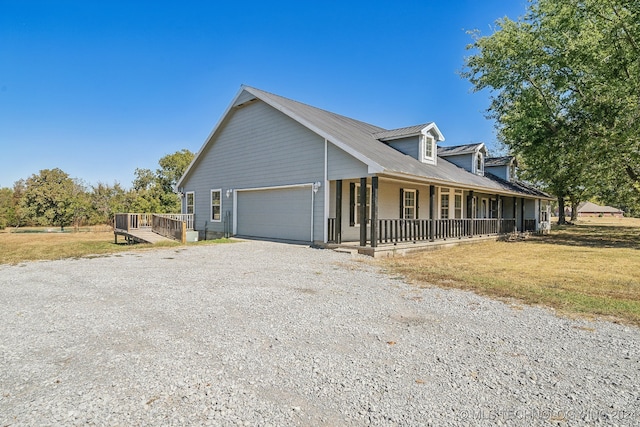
x=50 y=197
x=565 y=92
x=6 y=207
x=155 y=191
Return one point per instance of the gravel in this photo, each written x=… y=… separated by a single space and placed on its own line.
x=261 y=333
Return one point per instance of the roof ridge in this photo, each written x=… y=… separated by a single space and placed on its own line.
x=315 y=108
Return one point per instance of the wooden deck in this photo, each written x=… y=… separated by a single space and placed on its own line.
x=141 y=235
x=152 y=228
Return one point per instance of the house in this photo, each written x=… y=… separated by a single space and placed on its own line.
x=592 y=209
x=276 y=168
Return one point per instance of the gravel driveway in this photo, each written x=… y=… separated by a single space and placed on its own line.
x=260 y=333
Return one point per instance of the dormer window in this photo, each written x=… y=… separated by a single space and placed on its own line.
x=428 y=148
x=479 y=164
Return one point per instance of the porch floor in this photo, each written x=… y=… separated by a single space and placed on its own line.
x=402 y=248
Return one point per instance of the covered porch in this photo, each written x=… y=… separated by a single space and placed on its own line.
x=405 y=214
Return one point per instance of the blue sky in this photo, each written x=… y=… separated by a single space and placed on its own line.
x=100 y=88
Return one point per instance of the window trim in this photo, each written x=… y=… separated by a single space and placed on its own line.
x=444 y=192
x=430 y=141
x=458 y=195
x=406 y=191
x=186 y=202
x=356 y=207
x=479 y=163
x=219 y=191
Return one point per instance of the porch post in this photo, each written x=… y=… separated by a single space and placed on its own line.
x=499 y=212
x=363 y=211
x=515 y=214
x=374 y=211
x=432 y=212
x=522 y=214
x=338 y=230
x=473 y=213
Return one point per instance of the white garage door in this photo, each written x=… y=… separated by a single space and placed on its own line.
x=275 y=214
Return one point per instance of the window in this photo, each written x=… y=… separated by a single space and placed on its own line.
x=493 y=208
x=444 y=203
x=428 y=148
x=458 y=204
x=190 y=202
x=216 y=205
x=482 y=208
x=356 y=203
x=479 y=164
x=409 y=204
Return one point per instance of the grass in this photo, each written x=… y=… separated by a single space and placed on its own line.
x=31 y=245
x=589 y=269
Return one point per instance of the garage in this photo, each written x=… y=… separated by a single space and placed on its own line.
x=281 y=213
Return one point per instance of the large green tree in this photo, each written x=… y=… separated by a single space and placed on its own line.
x=565 y=93
x=51 y=198
x=155 y=191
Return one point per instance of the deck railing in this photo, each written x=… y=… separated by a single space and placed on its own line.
x=170 y=227
x=132 y=221
x=173 y=226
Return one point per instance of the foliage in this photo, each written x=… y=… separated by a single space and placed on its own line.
x=6 y=207
x=50 y=198
x=565 y=92
x=155 y=191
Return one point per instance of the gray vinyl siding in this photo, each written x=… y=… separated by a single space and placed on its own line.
x=388 y=204
x=465 y=161
x=256 y=146
x=499 y=171
x=341 y=165
x=408 y=146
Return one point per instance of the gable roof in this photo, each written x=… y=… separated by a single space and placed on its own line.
x=405 y=132
x=498 y=161
x=589 y=207
x=460 y=149
x=361 y=140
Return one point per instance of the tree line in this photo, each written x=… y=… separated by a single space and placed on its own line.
x=53 y=198
x=564 y=82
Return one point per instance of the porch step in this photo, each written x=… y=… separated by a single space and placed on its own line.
x=346 y=250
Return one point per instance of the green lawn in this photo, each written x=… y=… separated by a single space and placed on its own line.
x=590 y=269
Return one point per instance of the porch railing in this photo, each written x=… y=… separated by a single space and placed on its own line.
x=414 y=230
x=529 y=225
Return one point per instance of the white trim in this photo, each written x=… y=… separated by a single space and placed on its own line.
x=234 y=212
x=219 y=190
x=404 y=202
x=432 y=127
x=186 y=202
x=356 y=209
x=425 y=141
x=274 y=187
x=327 y=193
